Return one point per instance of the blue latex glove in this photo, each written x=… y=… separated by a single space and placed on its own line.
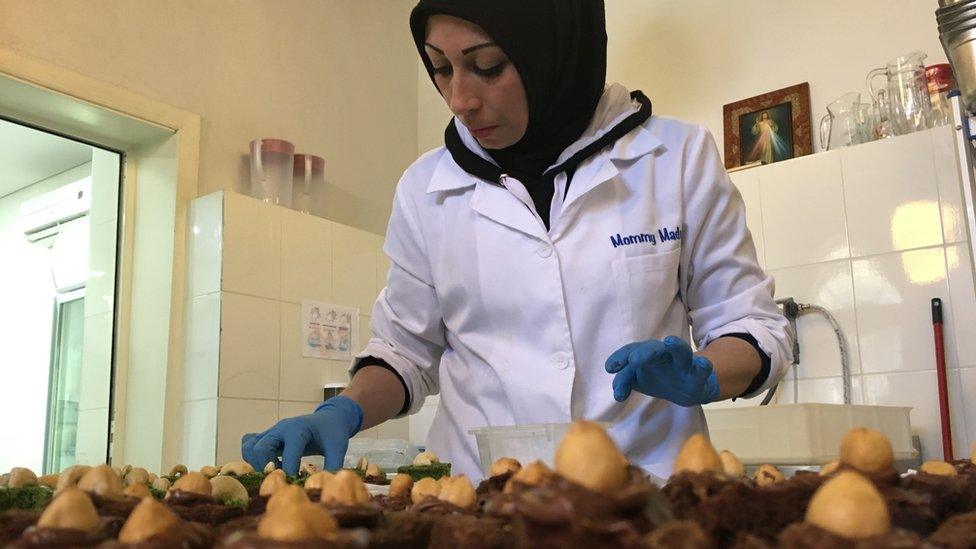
x=663 y=369
x=325 y=432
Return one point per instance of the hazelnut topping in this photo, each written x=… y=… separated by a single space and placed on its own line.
x=289 y=495
x=71 y=475
x=318 y=480
x=938 y=468
x=731 y=464
x=236 y=468
x=532 y=475
x=588 y=456
x=698 y=456
x=275 y=481
x=362 y=464
x=426 y=458
x=193 y=482
x=51 y=481
x=373 y=470
x=850 y=506
x=136 y=475
x=20 y=477
x=71 y=508
x=270 y=467
x=307 y=469
x=866 y=450
x=224 y=488
x=149 y=518
x=459 y=491
x=401 y=485
x=345 y=487
x=504 y=465
x=768 y=474
x=101 y=480
x=137 y=490
x=161 y=484
x=423 y=489
x=209 y=471
x=829 y=468
x=297 y=522
x=177 y=470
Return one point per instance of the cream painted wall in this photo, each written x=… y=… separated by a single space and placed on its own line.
x=333 y=76
x=691 y=58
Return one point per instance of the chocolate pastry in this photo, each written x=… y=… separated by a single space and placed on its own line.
x=809 y=536
x=14 y=522
x=948 y=495
x=354 y=516
x=459 y=530
x=958 y=532
x=679 y=534
x=194 y=507
x=189 y=535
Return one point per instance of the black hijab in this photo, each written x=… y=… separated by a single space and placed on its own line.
x=559 y=48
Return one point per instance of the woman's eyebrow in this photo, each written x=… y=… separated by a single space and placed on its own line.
x=465 y=51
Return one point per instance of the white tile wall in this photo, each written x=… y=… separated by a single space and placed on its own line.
x=92 y=434
x=354 y=267
x=251 y=246
x=206 y=239
x=960 y=309
x=306 y=257
x=202 y=347
x=892 y=294
x=905 y=215
x=802 y=211
x=899 y=202
x=950 y=191
x=251 y=265
x=199 y=432
x=249 y=339
x=828 y=285
x=235 y=417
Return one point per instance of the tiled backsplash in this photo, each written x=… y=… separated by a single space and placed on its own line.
x=873 y=233
x=251 y=265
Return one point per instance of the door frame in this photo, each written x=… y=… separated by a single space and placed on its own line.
x=56 y=99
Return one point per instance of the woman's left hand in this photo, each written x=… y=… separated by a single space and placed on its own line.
x=663 y=369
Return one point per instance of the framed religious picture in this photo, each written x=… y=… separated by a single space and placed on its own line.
x=768 y=128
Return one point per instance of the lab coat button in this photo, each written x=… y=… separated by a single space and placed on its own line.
x=560 y=361
x=545 y=250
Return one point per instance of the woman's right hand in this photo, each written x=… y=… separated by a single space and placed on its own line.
x=324 y=432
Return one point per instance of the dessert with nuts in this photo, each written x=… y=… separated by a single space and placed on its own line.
x=20 y=489
x=426 y=464
x=346 y=499
x=593 y=497
x=192 y=498
x=69 y=520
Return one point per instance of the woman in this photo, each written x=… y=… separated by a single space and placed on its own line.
x=548 y=261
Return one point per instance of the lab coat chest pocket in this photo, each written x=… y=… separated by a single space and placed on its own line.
x=646 y=287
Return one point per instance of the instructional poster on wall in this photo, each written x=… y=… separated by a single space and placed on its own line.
x=329 y=331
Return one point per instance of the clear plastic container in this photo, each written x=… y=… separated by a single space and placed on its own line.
x=804 y=434
x=272 y=162
x=388 y=454
x=525 y=443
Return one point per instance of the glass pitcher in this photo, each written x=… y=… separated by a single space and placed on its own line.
x=909 y=106
x=840 y=127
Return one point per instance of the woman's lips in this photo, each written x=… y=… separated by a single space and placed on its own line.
x=483 y=132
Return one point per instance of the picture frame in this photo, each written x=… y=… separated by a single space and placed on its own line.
x=771 y=127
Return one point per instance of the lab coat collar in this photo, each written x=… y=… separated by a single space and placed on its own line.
x=614 y=107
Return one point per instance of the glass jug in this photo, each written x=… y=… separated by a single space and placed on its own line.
x=840 y=127
x=909 y=106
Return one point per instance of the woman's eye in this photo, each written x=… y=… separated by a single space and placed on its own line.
x=442 y=71
x=490 y=71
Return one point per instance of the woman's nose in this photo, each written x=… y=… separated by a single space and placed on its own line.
x=464 y=96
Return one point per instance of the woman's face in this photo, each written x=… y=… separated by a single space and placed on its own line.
x=478 y=81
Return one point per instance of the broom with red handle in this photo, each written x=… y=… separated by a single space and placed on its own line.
x=940 y=371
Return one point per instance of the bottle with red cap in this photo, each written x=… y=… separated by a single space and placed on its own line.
x=940 y=81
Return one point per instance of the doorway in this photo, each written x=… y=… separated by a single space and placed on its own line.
x=59 y=204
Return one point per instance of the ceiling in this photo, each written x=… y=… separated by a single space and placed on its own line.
x=28 y=156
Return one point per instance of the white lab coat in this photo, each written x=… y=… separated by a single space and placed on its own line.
x=512 y=324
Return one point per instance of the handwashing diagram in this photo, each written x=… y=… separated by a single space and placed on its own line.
x=329 y=331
